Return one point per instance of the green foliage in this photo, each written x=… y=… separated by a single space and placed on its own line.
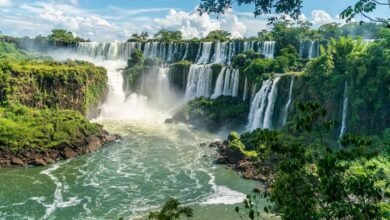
x=52 y=84
x=217 y=35
x=9 y=51
x=169 y=36
x=171 y=210
x=62 y=35
x=314 y=180
x=290 y=8
x=138 y=37
x=24 y=128
x=365 y=69
x=136 y=58
x=224 y=112
x=364 y=7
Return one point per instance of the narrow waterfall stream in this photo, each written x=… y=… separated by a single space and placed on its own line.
x=343 y=128
x=288 y=104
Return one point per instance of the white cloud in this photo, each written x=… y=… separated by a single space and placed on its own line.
x=191 y=24
x=320 y=17
x=5 y=3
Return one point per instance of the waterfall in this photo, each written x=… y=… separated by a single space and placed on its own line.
x=236 y=82
x=262 y=106
x=309 y=49
x=227 y=83
x=269 y=49
x=245 y=96
x=232 y=52
x=218 y=91
x=287 y=107
x=217 y=53
x=271 y=104
x=205 y=54
x=186 y=51
x=343 y=128
x=199 y=81
x=163 y=88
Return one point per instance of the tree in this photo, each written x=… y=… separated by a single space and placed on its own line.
x=170 y=211
x=139 y=37
x=137 y=57
x=64 y=35
x=218 y=35
x=292 y=9
x=314 y=180
x=168 y=36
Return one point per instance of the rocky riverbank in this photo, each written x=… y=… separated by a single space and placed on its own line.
x=39 y=157
x=254 y=169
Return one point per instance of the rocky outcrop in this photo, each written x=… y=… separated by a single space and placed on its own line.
x=263 y=171
x=35 y=157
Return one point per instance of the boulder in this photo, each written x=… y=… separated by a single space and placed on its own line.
x=93 y=143
x=69 y=153
x=17 y=161
x=39 y=162
x=169 y=121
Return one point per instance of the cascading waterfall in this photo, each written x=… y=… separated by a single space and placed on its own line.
x=205 y=54
x=208 y=52
x=262 y=106
x=227 y=83
x=117 y=105
x=288 y=104
x=199 y=81
x=269 y=49
x=309 y=49
x=343 y=128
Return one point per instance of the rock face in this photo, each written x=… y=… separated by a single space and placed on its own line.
x=32 y=157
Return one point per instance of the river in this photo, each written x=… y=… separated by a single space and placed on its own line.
x=153 y=162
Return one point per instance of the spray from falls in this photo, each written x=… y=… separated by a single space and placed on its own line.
x=262 y=106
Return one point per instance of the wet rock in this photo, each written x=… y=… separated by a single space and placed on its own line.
x=17 y=161
x=93 y=143
x=169 y=121
x=111 y=138
x=39 y=162
x=202 y=145
x=5 y=162
x=220 y=160
x=69 y=153
x=49 y=161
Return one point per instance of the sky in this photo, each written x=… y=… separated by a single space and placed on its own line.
x=102 y=20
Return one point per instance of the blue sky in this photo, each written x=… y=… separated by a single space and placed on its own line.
x=118 y=19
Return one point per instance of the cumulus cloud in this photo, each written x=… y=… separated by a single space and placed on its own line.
x=320 y=17
x=191 y=24
x=5 y=3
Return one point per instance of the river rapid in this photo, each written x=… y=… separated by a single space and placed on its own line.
x=154 y=161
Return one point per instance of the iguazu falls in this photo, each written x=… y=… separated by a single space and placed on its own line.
x=198 y=109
